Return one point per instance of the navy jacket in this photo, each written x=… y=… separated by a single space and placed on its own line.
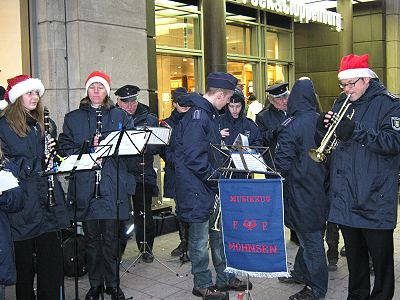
x=364 y=170
x=168 y=155
x=269 y=120
x=142 y=117
x=196 y=161
x=306 y=202
x=241 y=125
x=27 y=153
x=11 y=201
x=79 y=126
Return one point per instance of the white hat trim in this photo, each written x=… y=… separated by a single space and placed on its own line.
x=280 y=95
x=3 y=104
x=130 y=96
x=354 y=73
x=100 y=80
x=28 y=85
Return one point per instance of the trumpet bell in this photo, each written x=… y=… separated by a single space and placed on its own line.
x=317 y=156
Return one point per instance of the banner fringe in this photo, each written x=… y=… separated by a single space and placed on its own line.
x=257 y=274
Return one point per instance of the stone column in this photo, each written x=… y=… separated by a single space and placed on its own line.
x=214 y=30
x=75 y=38
x=393 y=45
x=345 y=8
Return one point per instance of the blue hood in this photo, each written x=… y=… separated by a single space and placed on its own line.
x=302 y=98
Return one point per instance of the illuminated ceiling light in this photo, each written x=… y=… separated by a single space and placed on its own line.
x=175 y=73
x=184 y=59
x=179 y=67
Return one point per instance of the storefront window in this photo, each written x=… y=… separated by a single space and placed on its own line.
x=173 y=72
x=177 y=26
x=244 y=73
x=277 y=73
x=279 y=45
x=10 y=52
x=238 y=39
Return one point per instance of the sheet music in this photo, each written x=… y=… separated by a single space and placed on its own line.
x=7 y=180
x=241 y=140
x=159 y=135
x=86 y=162
x=132 y=143
x=254 y=162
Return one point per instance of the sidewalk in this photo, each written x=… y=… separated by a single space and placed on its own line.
x=154 y=281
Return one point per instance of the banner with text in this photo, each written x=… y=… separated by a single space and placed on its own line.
x=253 y=229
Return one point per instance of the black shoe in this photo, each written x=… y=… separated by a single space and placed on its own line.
x=290 y=280
x=332 y=266
x=184 y=257
x=305 y=294
x=178 y=251
x=210 y=293
x=236 y=285
x=343 y=251
x=147 y=257
x=94 y=293
x=116 y=294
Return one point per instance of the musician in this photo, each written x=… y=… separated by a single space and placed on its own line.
x=195 y=194
x=98 y=214
x=363 y=177
x=11 y=201
x=139 y=114
x=36 y=229
x=271 y=117
x=234 y=122
x=306 y=203
x=168 y=154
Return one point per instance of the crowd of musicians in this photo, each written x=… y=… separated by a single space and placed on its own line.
x=354 y=187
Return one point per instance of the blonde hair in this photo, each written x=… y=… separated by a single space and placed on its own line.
x=16 y=116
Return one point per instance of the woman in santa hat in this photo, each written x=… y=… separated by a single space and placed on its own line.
x=36 y=229
x=98 y=212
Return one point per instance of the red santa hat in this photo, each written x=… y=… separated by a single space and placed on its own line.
x=353 y=66
x=19 y=85
x=100 y=77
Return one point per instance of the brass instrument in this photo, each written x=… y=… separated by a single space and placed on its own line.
x=50 y=178
x=98 y=134
x=330 y=141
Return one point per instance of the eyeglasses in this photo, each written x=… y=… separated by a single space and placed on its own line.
x=349 y=85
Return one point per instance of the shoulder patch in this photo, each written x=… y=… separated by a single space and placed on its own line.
x=287 y=121
x=393 y=97
x=196 y=114
x=395 y=123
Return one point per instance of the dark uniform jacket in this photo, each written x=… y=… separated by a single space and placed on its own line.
x=27 y=153
x=364 y=170
x=142 y=117
x=80 y=126
x=196 y=160
x=10 y=202
x=241 y=125
x=269 y=121
x=306 y=202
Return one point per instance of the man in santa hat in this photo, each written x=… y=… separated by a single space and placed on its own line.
x=363 y=176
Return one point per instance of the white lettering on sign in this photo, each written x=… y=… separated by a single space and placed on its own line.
x=301 y=12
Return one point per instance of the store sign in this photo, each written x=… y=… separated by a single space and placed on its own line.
x=301 y=12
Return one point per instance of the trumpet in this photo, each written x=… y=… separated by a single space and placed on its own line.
x=98 y=134
x=330 y=141
x=50 y=178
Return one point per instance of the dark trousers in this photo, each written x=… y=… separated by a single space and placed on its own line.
x=102 y=243
x=332 y=240
x=47 y=250
x=138 y=200
x=379 y=244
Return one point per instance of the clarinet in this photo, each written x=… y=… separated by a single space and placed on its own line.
x=50 y=179
x=98 y=134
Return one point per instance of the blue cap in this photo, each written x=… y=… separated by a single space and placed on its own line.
x=221 y=80
x=180 y=91
x=237 y=96
x=278 y=90
x=128 y=93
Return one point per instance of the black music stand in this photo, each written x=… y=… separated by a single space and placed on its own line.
x=73 y=166
x=157 y=136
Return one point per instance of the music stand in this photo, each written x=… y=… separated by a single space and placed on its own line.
x=242 y=158
x=73 y=164
x=157 y=136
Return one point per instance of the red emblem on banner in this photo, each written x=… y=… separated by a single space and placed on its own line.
x=250 y=224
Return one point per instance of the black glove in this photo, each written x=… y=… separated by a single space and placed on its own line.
x=320 y=123
x=345 y=129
